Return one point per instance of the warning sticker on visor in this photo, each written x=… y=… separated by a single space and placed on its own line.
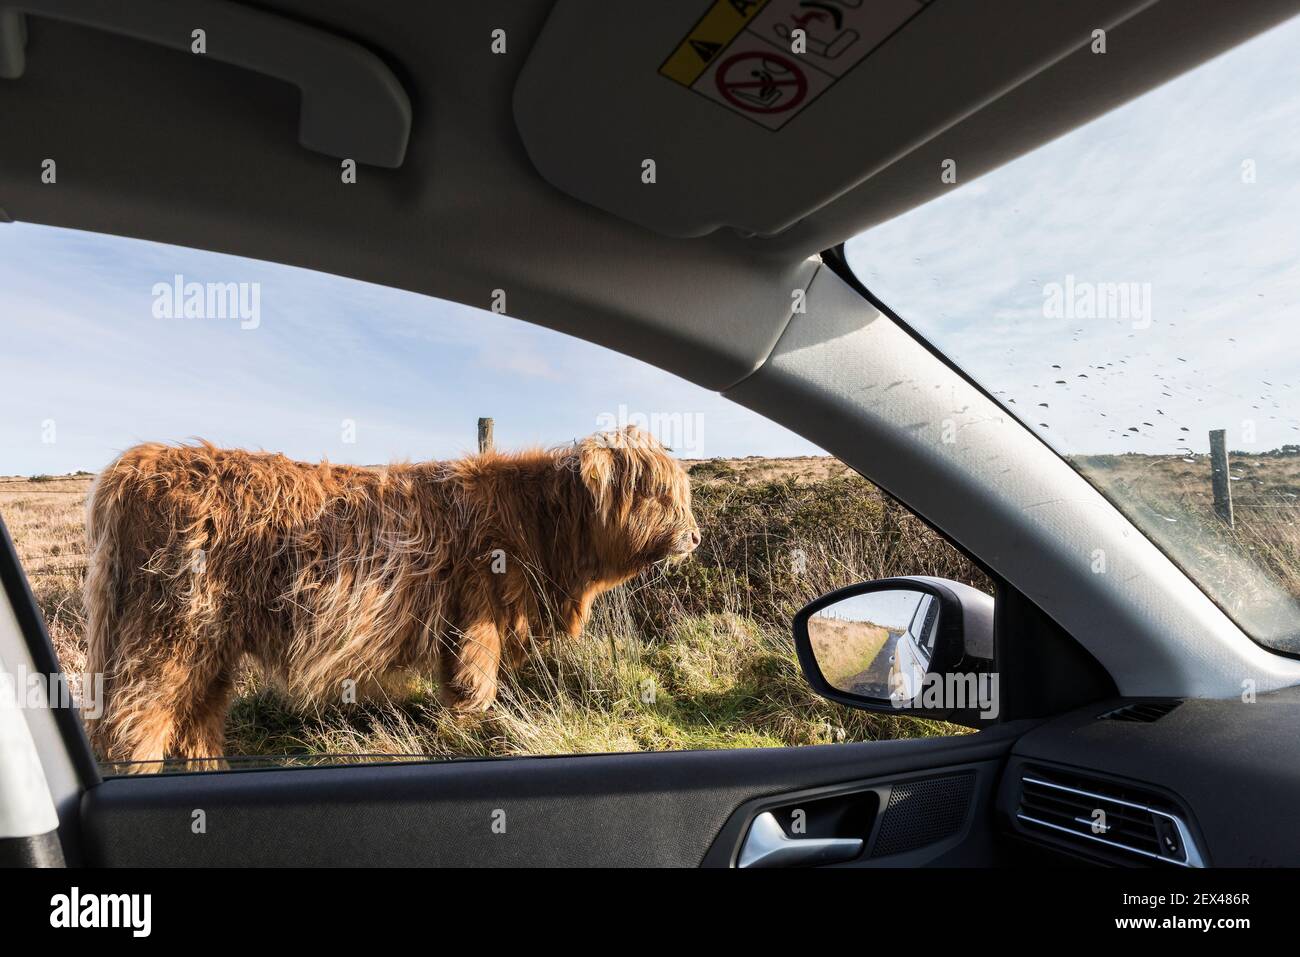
x=768 y=59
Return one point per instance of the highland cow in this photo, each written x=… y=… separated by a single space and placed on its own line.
x=202 y=559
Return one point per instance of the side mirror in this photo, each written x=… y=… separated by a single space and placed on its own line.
x=912 y=645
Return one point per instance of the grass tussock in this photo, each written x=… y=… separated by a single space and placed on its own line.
x=717 y=681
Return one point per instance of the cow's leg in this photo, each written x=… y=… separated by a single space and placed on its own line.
x=101 y=717
x=167 y=698
x=468 y=670
x=134 y=726
x=578 y=610
x=139 y=716
x=137 y=719
x=199 y=730
x=514 y=642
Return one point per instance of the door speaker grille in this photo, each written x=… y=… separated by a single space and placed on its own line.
x=923 y=812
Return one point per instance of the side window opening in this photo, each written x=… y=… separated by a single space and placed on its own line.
x=689 y=652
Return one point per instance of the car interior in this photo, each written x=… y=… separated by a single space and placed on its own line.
x=572 y=154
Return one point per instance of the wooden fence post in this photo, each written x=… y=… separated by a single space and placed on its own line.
x=889 y=532
x=1219 y=476
x=485 y=435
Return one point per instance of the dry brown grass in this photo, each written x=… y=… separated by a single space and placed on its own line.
x=755 y=468
x=845 y=649
x=46 y=518
x=1251 y=569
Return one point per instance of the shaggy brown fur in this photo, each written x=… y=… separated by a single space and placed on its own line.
x=201 y=558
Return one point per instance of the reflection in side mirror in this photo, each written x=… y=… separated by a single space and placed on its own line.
x=920 y=645
x=876 y=645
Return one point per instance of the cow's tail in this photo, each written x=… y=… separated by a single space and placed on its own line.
x=106 y=514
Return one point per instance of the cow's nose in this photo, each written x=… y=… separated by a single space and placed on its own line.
x=695 y=538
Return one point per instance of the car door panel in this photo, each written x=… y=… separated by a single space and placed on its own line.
x=662 y=809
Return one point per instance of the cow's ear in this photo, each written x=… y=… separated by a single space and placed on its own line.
x=598 y=468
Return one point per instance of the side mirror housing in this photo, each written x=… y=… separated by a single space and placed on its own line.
x=914 y=645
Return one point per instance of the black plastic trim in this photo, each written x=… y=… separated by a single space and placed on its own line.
x=39 y=850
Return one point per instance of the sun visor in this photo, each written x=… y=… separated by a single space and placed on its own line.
x=689 y=116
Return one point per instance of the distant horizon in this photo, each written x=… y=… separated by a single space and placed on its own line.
x=1286 y=451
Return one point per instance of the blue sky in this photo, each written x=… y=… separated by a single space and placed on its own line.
x=82 y=347
x=1152 y=193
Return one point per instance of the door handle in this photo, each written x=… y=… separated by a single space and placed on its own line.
x=767 y=845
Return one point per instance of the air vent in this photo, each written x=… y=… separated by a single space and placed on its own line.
x=1143 y=712
x=1105 y=817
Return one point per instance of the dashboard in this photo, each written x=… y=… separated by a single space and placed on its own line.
x=1189 y=783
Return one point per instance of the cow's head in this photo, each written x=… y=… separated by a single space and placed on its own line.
x=641 y=498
